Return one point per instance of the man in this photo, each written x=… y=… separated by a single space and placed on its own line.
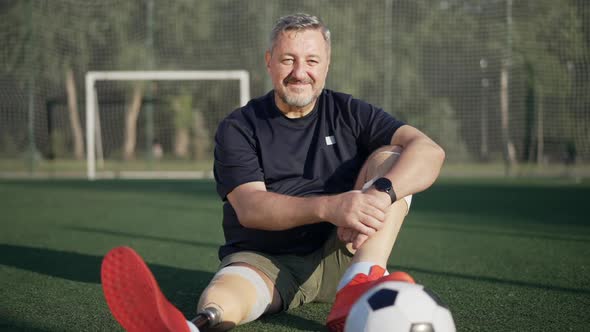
x=313 y=183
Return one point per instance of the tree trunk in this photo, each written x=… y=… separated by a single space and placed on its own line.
x=509 y=149
x=181 y=142
x=73 y=114
x=540 y=127
x=483 y=149
x=201 y=139
x=131 y=123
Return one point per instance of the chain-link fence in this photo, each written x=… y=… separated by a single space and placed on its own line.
x=502 y=85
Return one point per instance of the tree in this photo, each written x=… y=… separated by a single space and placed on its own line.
x=61 y=53
x=549 y=42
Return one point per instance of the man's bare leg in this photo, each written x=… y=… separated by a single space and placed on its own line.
x=370 y=259
x=377 y=248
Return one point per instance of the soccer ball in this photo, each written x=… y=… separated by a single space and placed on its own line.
x=399 y=306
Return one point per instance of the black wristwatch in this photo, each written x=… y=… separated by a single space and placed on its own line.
x=384 y=185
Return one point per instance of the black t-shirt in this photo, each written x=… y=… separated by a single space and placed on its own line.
x=318 y=154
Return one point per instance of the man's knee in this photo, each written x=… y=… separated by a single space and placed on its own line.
x=379 y=163
x=382 y=160
x=239 y=292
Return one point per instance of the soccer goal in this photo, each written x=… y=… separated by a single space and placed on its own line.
x=146 y=124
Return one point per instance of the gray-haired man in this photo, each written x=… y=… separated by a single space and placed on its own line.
x=315 y=185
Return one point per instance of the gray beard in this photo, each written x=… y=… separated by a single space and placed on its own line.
x=298 y=101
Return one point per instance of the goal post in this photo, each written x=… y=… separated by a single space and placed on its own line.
x=93 y=131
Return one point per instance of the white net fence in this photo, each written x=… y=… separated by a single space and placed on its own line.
x=502 y=85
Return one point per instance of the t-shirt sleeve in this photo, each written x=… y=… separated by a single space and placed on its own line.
x=375 y=127
x=235 y=158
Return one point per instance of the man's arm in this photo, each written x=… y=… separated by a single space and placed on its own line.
x=259 y=209
x=416 y=169
x=418 y=165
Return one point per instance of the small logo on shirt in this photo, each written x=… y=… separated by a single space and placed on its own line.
x=330 y=140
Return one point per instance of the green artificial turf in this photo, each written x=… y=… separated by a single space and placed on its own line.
x=505 y=254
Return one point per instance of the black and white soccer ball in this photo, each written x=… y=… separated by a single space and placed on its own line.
x=399 y=306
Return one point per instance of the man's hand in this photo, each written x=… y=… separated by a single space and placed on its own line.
x=348 y=235
x=360 y=212
x=357 y=238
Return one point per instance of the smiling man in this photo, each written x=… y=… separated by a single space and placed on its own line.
x=298 y=65
x=315 y=185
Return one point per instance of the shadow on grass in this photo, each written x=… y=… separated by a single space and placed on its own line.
x=506 y=201
x=201 y=188
x=12 y=326
x=93 y=230
x=60 y=264
x=293 y=321
x=516 y=233
x=493 y=280
x=181 y=286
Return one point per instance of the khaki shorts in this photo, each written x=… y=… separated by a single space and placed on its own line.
x=301 y=279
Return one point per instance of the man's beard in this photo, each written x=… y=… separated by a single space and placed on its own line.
x=298 y=100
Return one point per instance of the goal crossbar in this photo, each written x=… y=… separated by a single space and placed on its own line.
x=170 y=75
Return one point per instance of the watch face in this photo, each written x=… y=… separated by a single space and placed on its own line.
x=383 y=184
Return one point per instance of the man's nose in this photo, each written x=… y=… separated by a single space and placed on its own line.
x=299 y=71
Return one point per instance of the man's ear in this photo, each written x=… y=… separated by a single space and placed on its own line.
x=267 y=57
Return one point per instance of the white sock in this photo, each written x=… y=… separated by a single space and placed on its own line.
x=192 y=326
x=353 y=270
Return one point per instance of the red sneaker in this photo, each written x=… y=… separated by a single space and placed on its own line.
x=134 y=297
x=348 y=295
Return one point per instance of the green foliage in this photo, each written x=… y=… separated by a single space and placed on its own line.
x=550 y=38
x=8 y=145
x=60 y=145
x=410 y=57
x=68 y=38
x=191 y=121
x=181 y=106
x=442 y=126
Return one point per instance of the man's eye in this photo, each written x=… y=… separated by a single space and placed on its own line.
x=287 y=61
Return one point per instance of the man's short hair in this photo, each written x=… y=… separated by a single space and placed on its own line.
x=298 y=22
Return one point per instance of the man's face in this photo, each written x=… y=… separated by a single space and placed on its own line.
x=298 y=66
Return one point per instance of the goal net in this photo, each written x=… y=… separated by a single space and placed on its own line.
x=157 y=123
